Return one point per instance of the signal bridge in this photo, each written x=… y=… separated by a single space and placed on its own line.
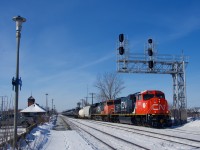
x=152 y=62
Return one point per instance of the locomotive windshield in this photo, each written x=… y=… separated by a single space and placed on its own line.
x=109 y=103
x=160 y=95
x=148 y=96
x=117 y=101
x=132 y=97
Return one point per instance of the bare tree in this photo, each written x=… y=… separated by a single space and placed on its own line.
x=109 y=85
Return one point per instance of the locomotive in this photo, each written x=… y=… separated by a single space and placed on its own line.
x=146 y=108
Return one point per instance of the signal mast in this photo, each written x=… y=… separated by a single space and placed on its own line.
x=150 y=62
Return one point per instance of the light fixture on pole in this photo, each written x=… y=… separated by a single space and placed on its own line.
x=16 y=82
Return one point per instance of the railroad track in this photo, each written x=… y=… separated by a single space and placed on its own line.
x=192 y=143
x=73 y=126
x=185 y=141
x=109 y=140
x=183 y=131
x=153 y=132
x=79 y=130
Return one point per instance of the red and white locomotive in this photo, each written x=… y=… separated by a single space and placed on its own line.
x=148 y=108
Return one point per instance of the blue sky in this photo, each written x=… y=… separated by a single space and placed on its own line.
x=65 y=44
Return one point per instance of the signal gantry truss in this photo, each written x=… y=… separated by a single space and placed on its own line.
x=153 y=63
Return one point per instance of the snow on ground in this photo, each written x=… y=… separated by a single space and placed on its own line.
x=195 y=125
x=37 y=138
x=45 y=138
x=69 y=140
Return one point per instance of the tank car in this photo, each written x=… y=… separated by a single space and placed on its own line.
x=85 y=112
x=81 y=113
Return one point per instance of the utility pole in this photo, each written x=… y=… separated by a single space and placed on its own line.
x=46 y=103
x=92 y=96
x=86 y=100
x=16 y=82
x=52 y=107
x=2 y=106
x=82 y=101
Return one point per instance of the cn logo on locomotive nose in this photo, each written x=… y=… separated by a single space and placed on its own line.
x=158 y=107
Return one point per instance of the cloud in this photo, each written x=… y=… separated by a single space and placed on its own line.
x=41 y=78
x=184 y=27
x=100 y=60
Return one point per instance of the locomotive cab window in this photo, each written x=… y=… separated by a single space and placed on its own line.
x=148 y=96
x=160 y=95
x=139 y=97
x=109 y=103
x=117 y=101
x=133 y=98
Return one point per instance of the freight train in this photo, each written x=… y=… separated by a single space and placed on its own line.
x=146 y=108
x=71 y=112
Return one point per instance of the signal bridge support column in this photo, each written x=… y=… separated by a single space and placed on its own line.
x=179 y=93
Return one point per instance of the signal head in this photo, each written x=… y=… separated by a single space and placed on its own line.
x=150 y=51
x=151 y=64
x=121 y=37
x=150 y=41
x=121 y=50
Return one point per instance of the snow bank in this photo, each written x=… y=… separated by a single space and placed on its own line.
x=192 y=125
x=195 y=123
x=38 y=137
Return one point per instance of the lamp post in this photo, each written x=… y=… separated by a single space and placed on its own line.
x=17 y=81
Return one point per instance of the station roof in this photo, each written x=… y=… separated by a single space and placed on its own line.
x=34 y=108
